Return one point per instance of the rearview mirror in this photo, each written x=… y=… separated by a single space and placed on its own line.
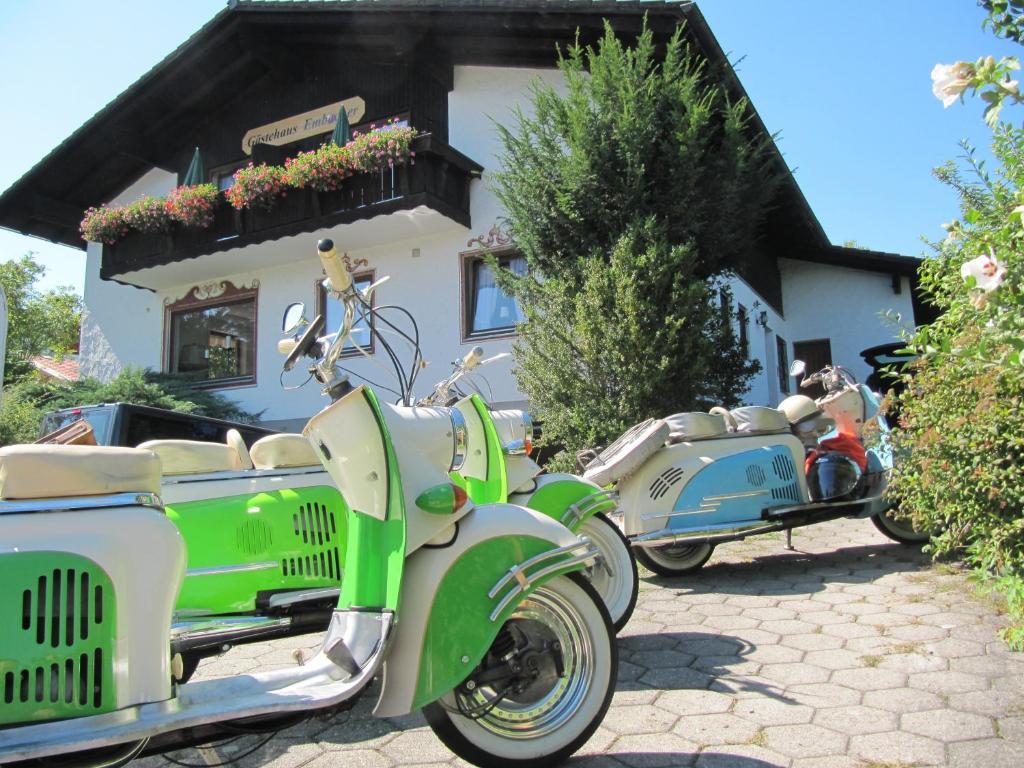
x=293 y=317
x=798 y=368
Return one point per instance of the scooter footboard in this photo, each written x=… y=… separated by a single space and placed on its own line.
x=455 y=598
x=569 y=499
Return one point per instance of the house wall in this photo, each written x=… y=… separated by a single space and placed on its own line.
x=845 y=306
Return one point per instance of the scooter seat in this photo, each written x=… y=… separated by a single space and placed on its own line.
x=688 y=427
x=759 y=420
x=58 y=471
x=193 y=457
x=628 y=453
x=283 y=452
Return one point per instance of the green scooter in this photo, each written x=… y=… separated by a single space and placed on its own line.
x=479 y=615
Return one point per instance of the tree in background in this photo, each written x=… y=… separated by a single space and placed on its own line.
x=631 y=193
x=37 y=322
x=959 y=470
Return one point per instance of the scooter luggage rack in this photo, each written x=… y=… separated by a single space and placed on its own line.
x=350 y=656
x=576 y=512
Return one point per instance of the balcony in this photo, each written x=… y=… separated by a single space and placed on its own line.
x=435 y=188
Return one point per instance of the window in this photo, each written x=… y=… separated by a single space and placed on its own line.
x=741 y=318
x=212 y=335
x=223 y=176
x=783 y=360
x=332 y=310
x=487 y=310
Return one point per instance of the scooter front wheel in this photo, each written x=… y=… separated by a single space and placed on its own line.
x=675 y=559
x=899 y=529
x=561 y=640
x=615 y=578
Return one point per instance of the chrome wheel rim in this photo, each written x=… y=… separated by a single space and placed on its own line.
x=902 y=527
x=550 y=701
x=678 y=555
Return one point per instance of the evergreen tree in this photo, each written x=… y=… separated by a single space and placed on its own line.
x=631 y=192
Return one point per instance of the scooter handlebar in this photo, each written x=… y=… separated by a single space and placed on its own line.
x=335 y=268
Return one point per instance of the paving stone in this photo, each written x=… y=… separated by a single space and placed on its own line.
x=898 y=747
x=948 y=682
x=787 y=627
x=767 y=711
x=851 y=630
x=856 y=720
x=416 y=746
x=900 y=700
x=992 y=703
x=667 y=749
x=666 y=658
x=644 y=718
x=363 y=758
x=948 y=725
x=794 y=674
x=913 y=662
x=695 y=702
x=1011 y=729
x=746 y=756
x=834 y=659
x=812 y=642
x=986 y=666
x=804 y=740
x=869 y=678
x=823 y=695
x=990 y=753
x=675 y=678
x=722 y=728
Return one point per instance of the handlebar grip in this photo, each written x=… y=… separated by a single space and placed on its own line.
x=285 y=346
x=333 y=265
x=472 y=358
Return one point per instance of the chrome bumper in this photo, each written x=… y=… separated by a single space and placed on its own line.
x=351 y=654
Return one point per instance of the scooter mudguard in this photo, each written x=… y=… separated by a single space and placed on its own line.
x=456 y=597
x=566 y=498
x=244 y=548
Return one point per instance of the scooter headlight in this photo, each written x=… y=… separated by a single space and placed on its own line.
x=460 y=439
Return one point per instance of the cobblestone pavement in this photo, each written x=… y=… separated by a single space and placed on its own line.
x=850 y=651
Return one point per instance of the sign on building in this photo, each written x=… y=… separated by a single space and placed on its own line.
x=296 y=127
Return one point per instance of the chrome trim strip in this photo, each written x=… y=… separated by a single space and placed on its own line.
x=351 y=654
x=69 y=503
x=589 y=556
x=216 y=570
x=516 y=570
x=460 y=435
x=242 y=474
x=285 y=599
x=722 y=530
x=212 y=627
x=576 y=511
x=823 y=505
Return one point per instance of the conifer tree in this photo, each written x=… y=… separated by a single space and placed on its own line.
x=632 y=192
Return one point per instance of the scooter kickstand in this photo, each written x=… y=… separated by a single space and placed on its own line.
x=789 y=539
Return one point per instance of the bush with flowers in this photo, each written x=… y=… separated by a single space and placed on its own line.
x=385 y=147
x=192 y=206
x=322 y=169
x=257 y=186
x=103 y=225
x=960 y=470
x=148 y=214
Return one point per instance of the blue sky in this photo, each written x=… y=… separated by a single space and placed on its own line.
x=846 y=85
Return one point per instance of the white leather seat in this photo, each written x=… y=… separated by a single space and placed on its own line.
x=759 y=420
x=628 y=453
x=192 y=457
x=687 y=427
x=283 y=451
x=56 y=471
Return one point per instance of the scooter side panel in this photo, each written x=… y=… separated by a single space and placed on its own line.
x=738 y=488
x=555 y=493
x=239 y=546
x=446 y=628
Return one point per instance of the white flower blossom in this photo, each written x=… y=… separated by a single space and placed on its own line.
x=951 y=80
x=988 y=275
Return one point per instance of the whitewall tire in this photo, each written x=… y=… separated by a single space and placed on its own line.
x=615 y=578
x=556 y=714
x=675 y=559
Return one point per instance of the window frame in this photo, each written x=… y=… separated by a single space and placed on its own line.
x=209 y=296
x=742 y=336
x=782 y=361
x=467 y=261
x=321 y=309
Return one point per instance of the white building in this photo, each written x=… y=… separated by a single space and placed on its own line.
x=210 y=301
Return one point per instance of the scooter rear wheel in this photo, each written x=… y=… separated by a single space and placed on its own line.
x=616 y=579
x=675 y=559
x=543 y=724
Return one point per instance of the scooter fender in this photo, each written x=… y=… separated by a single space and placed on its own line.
x=569 y=499
x=457 y=596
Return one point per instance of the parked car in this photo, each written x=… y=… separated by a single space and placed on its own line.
x=128 y=425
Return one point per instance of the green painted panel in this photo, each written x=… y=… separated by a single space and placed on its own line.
x=553 y=499
x=376 y=548
x=59 y=619
x=459 y=625
x=298 y=535
x=492 y=489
